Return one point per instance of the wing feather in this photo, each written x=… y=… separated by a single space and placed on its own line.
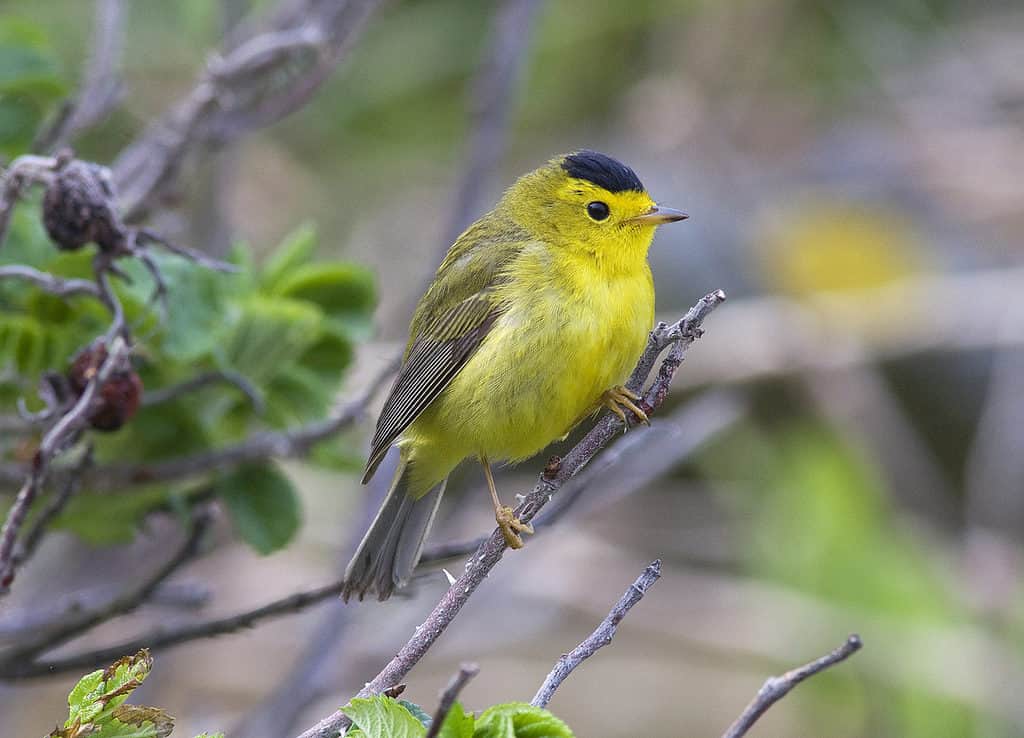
x=434 y=358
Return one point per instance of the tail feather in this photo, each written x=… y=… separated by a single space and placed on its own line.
x=391 y=548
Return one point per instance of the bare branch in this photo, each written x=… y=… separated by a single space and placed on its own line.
x=62 y=433
x=679 y=336
x=448 y=696
x=49 y=283
x=224 y=376
x=13 y=669
x=234 y=96
x=24 y=171
x=284 y=444
x=655 y=451
x=601 y=637
x=69 y=485
x=775 y=688
x=80 y=621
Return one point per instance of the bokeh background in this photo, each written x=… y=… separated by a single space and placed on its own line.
x=842 y=452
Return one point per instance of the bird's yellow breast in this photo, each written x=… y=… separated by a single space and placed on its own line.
x=573 y=326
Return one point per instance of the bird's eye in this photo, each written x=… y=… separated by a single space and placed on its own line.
x=597 y=210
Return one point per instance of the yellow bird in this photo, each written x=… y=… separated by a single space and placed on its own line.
x=533 y=321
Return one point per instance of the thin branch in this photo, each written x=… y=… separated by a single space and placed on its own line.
x=600 y=638
x=49 y=283
x=679 y=337
x=12 y=669
x=224 y=376
x=101 y=84
x=448 y=696
x=24 y=171
x=295 y=442
x=68 y=487
x=235 y=94
x=653 y=451
x=54 y=441
x=80 y=621
x=775 y=688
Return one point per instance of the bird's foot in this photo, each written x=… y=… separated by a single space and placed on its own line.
x=617 y=398
x=511 y=527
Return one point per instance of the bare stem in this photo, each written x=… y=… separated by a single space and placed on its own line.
x=777 y=687
x=448 y=696
x=600 y=638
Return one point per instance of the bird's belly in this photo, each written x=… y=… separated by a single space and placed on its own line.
x=542 y=368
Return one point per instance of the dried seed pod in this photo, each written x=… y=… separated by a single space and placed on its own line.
x=117 y=400
x=78 y=208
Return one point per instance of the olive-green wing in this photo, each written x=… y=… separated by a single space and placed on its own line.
x=435 y=356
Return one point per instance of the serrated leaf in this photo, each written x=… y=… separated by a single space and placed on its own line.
x=383 y=717
x=416 y=711
x=457 y=724
x=519 y=720
x=98 y=695
x=263 y=505
x=339 y=289
x=137 y=721
x=296 y=250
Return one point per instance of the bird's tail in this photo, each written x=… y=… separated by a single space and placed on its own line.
x=391 y=547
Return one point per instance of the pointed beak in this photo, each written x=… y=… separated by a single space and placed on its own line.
x=658 y=215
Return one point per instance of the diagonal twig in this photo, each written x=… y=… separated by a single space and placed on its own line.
x=50 y=283
x=677 y=338
x=78 y=622
x=225 y=376
x=600 y=638
x=448 y=696
x=777 y=687
x=101 y=84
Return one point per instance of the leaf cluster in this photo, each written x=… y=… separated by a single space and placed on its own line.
x=97 y=709
x=385 y=717
x=288 y=326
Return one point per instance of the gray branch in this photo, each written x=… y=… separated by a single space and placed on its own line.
x=677 y=338
x=448 y=696
x=600 y=638
x=49 y=283
x=233 y=95
x=777 y=687
x=101 y=84
x=54 y=441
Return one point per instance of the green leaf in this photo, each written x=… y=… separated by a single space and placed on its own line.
x=519 y=720
x=267 y=333
x=98 y=695
x=416 y=711
x=457 y=724
x=383 y=717
x=296 y=250
x=103 y=519
x=339 y=289
x=136 y=721
x=263 y=505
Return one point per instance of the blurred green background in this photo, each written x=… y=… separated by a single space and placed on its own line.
x=853 y=172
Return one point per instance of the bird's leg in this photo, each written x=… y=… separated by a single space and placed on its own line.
x=619 y=397
x=507 y=521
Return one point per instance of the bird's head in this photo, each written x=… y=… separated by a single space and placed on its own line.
x=588 y=201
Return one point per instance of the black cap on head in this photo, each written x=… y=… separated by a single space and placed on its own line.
x=602 y=170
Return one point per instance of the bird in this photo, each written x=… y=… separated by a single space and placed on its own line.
x=532 y=322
